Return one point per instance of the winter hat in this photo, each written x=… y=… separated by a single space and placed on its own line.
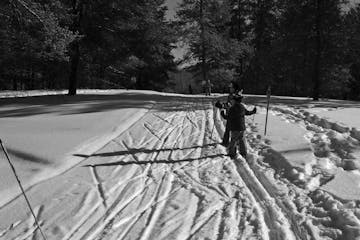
x=238 y=97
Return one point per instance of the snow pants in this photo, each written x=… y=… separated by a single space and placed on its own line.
x=237 y=141
x=225 y=140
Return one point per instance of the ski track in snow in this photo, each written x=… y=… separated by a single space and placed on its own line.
x=167 y=177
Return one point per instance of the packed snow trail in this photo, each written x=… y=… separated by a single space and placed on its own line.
x=333 y=146
x=166 y=177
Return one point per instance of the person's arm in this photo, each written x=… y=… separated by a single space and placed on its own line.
x=223 y=114
x=247 y=112
x=227 y=105
x=218 y=104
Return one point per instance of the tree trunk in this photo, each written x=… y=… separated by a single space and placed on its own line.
x=316 y=74
x=32 y=78
x=102 y=75
x=203 y=50
x=239 y=34
x=75 y=48
x=14 y=83
x=259 y=34
x=295 y=85
x=74 y=63
x=304 y=71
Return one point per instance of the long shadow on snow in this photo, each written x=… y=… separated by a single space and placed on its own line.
x=139 y=150
x=21 y=155
x=90 y=103
x=153 y=162
x=305 y=102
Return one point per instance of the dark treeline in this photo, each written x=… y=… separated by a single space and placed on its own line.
x=77 y=43
x=298 y=47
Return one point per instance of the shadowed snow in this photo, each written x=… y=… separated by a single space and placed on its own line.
x=145 y=165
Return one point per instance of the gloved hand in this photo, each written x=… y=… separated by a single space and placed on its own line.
x=218 y=104
x=223 y=114
x=254 y=110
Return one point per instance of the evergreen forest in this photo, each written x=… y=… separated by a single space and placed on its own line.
x=298 y=47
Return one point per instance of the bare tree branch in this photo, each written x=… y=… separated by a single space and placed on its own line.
x=27 y=8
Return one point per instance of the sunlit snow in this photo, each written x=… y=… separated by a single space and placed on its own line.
x=117 y=164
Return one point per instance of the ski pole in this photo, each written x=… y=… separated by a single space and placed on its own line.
x=22 y=189
x=212 y=130
x=253 y=118
x=213 y=124
x=268 y=95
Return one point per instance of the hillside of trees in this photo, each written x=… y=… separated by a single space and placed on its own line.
x=299 y=48
x=93 y=44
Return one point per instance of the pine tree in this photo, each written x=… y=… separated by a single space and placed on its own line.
x=308 y=46
x=33 y=40
x=207 y=29
x=131 y=37
x=351 y=50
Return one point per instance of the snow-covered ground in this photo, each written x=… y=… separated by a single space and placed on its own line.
x=147 y=165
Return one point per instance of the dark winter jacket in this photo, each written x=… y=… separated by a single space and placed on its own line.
x=236 y=117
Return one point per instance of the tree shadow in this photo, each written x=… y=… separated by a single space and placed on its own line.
x=29 y=157
x=296 y=151
x=301 y=102
x=131 y=151
x=167 y=161
x=90 y=103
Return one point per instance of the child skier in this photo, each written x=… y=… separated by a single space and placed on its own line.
x=233 y=90
x=236 y=124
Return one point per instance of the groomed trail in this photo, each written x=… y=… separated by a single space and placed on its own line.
x=167 y=177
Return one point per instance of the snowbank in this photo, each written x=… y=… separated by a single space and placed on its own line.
x=148 y=165
x=43 y=134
